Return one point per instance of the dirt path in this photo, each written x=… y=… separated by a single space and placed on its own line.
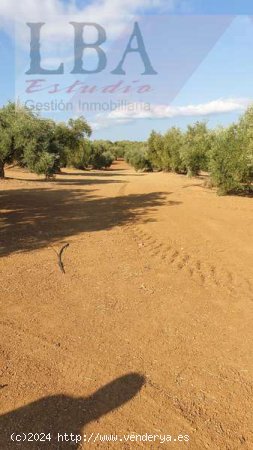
x=150 y=329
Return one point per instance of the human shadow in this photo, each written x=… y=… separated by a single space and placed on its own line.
x=38 y=217
x=60 y=415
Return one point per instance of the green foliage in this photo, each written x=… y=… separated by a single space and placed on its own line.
x=108 y=158
x=229 y=162
x=42 y=152
x=45 y=146
x=72 y=143
x=5 y=149
x=80 y=158
x=171 y=157
x=119 y=149
x=100 y=157
x=156 y=150
x=12 y=119
x=246 y=129
x=196 y=148
x=226 y=153
x=137 y=157
x=79 y=127
x=39 y=144
x=45 y=165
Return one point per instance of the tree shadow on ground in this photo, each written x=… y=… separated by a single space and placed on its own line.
x=198 y=185
x=65 y=181
x=63 y=414
x=85 y=182
x=37 y=217
x=243 y=193
x=101 y=174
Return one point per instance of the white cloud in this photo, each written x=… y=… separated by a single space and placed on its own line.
x=107 y=123
x=138 y=111
x=113 y=13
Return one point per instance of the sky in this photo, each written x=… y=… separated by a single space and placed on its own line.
x=182 y=61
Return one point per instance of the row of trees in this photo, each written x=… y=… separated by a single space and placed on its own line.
x=44 y=146
x=225 y=153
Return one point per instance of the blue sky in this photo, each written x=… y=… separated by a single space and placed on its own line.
x=202 y=51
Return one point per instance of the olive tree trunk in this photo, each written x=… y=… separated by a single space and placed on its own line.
x=1 y=169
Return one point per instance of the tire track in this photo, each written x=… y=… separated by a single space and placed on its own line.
x=201 y=272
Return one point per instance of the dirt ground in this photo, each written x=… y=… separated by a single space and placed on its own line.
x=150 y=329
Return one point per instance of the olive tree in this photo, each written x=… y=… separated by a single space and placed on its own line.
x=12 y=119
x=171 y=158
x=196 y=148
